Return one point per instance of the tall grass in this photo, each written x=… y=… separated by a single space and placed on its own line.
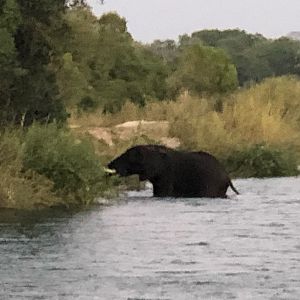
x=267 y=113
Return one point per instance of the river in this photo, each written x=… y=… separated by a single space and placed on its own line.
x=244 y=247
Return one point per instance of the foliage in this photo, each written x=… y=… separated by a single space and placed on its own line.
x=254 y=56
x=58 y=54
x=46 y=166
x=30 y=31
x=20 y=189
x=232 y=39
x=104 y=63
x=240 y=46
x=265 y=113
x=283 y=56
x=70 y=164
x=261 y=161
x=204 y=70
x=166 y=50
x=87 y=104
x=114 y=23
x=273 y=105
x=73 y=85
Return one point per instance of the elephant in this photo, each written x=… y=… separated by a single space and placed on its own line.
x=175 y=173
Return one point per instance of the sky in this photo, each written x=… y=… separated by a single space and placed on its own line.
x=148 y=20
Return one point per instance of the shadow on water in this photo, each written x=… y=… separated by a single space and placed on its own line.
x=31 y=217
x=35 y=223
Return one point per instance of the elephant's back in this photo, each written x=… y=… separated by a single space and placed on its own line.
x=200 y=165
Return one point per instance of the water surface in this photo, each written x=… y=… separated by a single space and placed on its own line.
x=245 y=247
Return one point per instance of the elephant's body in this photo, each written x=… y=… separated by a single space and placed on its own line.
x=175 y=173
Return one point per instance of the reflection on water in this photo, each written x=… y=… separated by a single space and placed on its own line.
x=246 y=247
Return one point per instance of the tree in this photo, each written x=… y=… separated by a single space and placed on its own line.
x=109 y=64
x=72 y=66
x=29 y=29
x=113 y=22
x=72 y=82
x=153 y=73
x=10 y=19
x=240 y=46
x=204 y=70
x=255 y=56
x=283 y=56
x=167 y=50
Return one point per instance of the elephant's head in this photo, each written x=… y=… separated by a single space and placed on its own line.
x=147 y=161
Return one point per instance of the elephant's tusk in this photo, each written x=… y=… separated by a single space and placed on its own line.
x=109 y=171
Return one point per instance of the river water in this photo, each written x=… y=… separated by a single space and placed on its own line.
x=245 y=247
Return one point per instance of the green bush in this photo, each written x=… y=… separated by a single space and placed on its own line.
x=261 y=161
x=19 y=189
x=70 y=164
x=87 y=104
x=10 y=147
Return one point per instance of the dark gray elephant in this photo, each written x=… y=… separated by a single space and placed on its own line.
x=175 y=173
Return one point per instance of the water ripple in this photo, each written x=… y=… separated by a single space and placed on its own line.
x=244 y=247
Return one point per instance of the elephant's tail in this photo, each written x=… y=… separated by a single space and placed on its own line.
x=233 y=188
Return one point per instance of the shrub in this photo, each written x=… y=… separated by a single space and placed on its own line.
x=261 y=161
x=19 y=189
x=72 y=165
x=87 y=104
x=10 y=147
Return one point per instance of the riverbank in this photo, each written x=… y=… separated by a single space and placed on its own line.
x=254 y=133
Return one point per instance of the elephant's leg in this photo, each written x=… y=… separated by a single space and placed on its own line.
x=222 y=190
x=162 y=187
x=213 y=190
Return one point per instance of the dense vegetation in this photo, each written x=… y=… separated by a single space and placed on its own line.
x=54 y=56
x=58 y=60
x=47 y=166
x=254 y=56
